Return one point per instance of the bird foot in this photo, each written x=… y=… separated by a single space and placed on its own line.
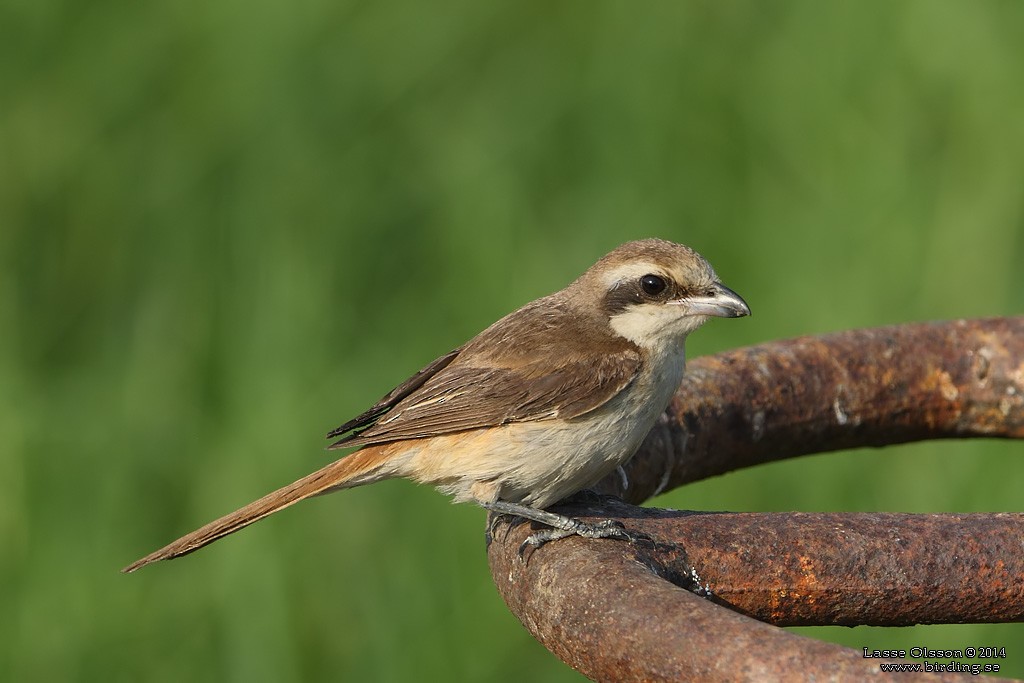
x=608 y=528
x=561 y=526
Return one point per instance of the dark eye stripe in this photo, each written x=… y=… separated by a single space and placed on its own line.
x=630 y=292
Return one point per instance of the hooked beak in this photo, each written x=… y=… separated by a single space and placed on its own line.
x=721 y=302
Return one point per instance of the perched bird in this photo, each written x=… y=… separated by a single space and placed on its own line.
x=540 y=405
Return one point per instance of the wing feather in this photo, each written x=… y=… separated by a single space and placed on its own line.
x=391 y=399
x=529 y=366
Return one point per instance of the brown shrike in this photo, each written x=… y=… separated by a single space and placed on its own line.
x=540 y=405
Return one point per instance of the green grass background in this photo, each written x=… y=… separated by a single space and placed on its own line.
x=226 y=227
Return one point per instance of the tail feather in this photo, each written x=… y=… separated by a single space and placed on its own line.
x=358 y=468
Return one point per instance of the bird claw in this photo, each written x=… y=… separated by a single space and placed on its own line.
x=510 y=523
x=608 y=528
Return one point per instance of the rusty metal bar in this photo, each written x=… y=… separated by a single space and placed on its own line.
x=616 y=611
x=604 y=609
x=871 y=387
x=833 y=569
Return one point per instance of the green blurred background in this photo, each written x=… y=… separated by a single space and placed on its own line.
x=226 y=227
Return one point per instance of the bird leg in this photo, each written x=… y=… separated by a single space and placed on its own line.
x=561 y=526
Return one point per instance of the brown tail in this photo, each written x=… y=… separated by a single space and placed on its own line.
x=358 y=468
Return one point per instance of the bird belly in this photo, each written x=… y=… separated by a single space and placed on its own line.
x=568 y=457
x=541 y=462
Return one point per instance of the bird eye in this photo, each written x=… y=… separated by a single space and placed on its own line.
x=652 y=284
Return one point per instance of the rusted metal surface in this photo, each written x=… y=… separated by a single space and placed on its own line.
x=618 y=611
x=828 y=569
x=869 y=387
x=606 y=609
